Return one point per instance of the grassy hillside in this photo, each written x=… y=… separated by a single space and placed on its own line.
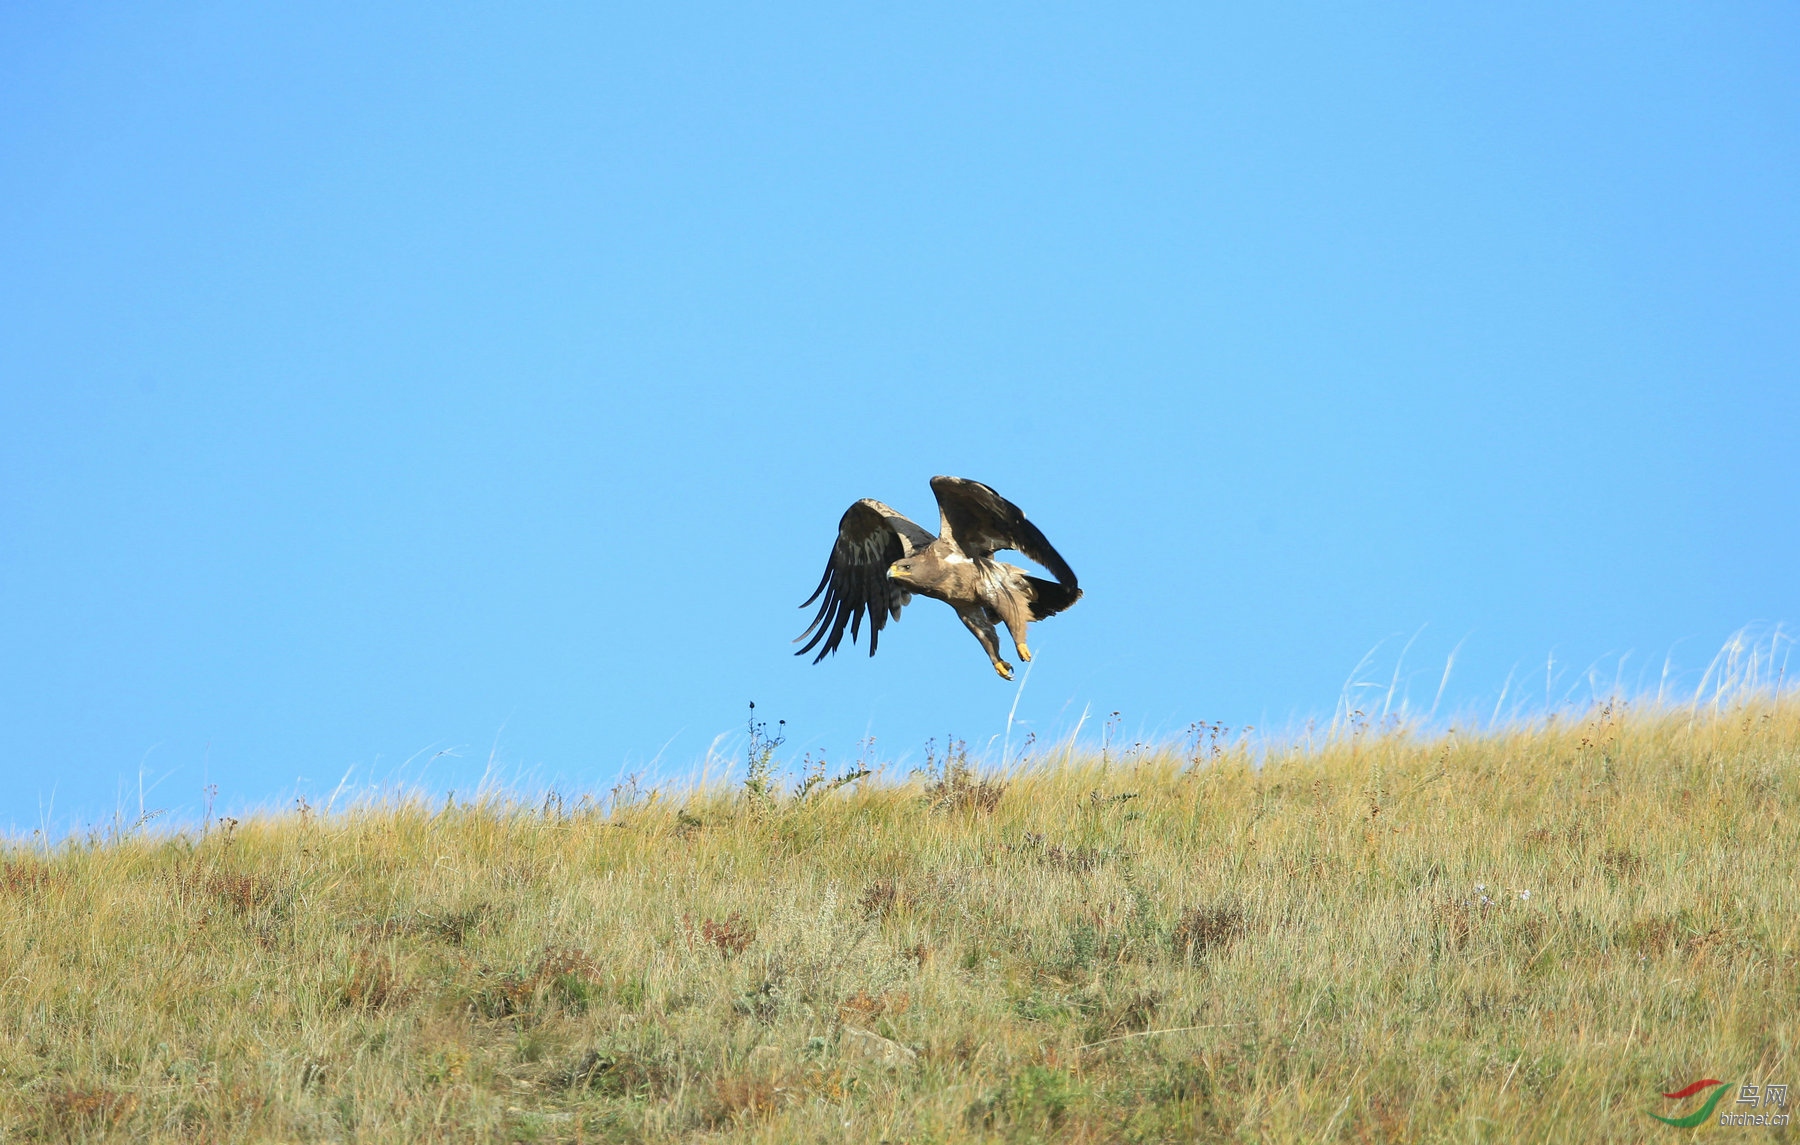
x=1523 y=937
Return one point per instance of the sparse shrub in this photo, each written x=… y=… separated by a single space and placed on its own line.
x=1567 y=835
x=764 y=1003
x=1502 y=914
x=1181 y=1082
x=571 y=977
x=745 y=1096
x=1082 y=945
x=862 y=1006
x=1621 y=863
x=1455 y=920
x=1037 y=1100
x=242 y=893
x=563 y=977
x=239 y=892
x=1204 y=930
x=630 y=992
x=957 y=786
x=879 y=897
x=1067 y=858
x=455 y=927
x=814 y=781
x=26 y=878
x=451 y=927
x=732 y=936
x=823 y=956
x=759 y=769
x=78 y=1112
x=1133 y=1016
x=616 y=1074
x=373 y=984
x=1659 y=934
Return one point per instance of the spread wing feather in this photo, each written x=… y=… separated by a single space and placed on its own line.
x=983 y=522
x=870 y=537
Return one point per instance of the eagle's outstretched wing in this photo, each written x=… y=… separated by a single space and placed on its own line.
x=983 y=522
x=870 y=537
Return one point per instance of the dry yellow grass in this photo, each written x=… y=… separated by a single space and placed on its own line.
x=1338 y=946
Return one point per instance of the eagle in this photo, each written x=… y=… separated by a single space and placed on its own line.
x=881 y=558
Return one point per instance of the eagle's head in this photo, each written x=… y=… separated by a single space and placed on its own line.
x=921 y=573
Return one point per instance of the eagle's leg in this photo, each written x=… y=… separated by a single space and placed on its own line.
x=1016 y=613
x=983 y=629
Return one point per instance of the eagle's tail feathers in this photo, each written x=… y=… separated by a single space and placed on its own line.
x=1049 y=598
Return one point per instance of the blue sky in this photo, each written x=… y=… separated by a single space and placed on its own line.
x=452 y=385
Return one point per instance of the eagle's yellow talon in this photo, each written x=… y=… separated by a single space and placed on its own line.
x=1025 y=654
x=1005 y=669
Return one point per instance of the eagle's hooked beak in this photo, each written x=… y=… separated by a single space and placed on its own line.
x=895 y=572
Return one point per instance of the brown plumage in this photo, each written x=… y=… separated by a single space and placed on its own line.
x=881 y=559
